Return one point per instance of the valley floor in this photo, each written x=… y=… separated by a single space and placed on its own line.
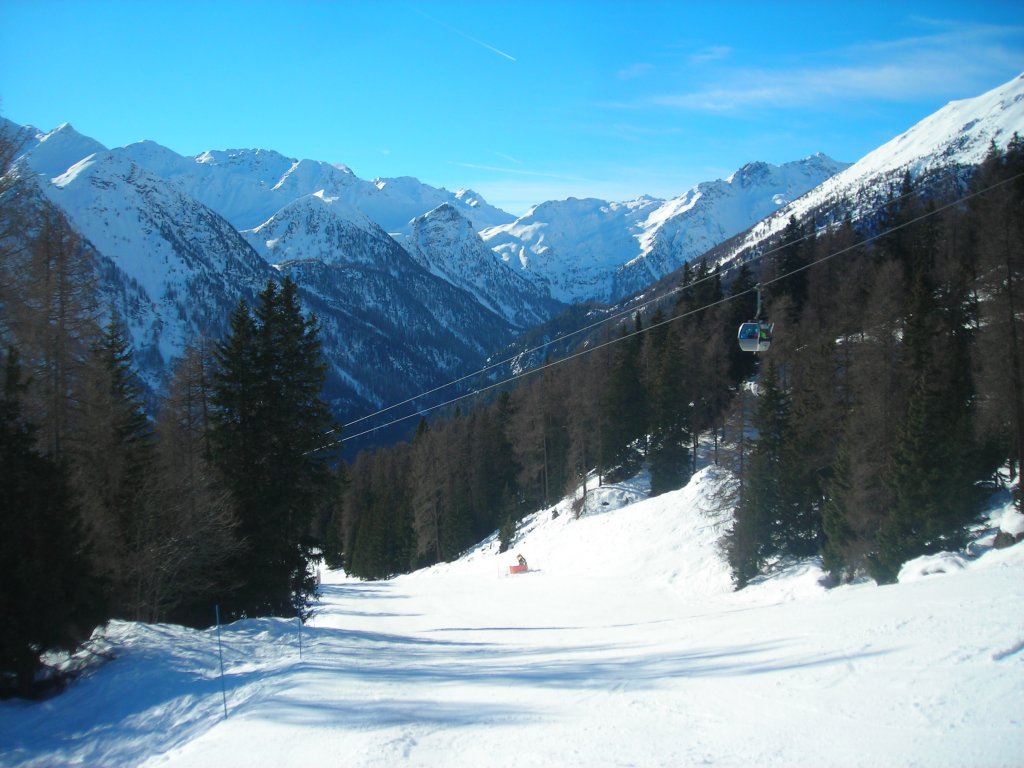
x=622 y=646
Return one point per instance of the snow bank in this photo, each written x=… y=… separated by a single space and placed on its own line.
x=929 y=565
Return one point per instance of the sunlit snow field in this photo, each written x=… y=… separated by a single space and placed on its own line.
x=623 y=645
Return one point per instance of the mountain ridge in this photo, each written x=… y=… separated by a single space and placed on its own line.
x=593 y=250
x=954 y=137
x=453 y=282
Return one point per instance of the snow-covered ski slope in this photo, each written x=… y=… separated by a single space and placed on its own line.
x=624 y=645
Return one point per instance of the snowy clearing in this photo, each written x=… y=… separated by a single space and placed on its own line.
x=623 y=645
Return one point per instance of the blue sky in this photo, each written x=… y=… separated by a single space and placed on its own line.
x=523 y=102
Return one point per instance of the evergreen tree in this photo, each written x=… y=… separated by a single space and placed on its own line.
x=194 y=526
x=935 y=466
x=934 y=487
x=50 y=310
x=333 y=537
x=741 y=308
x=456 y=514
x=815 y=425
x=625 y=403
x=873 y=392
x=586 y=378
x=997 y=230
x=782 y=492
x=493 y=470
x=835 y=519
x=668 y=452
x=384 y=542
x=790 y=258
x=506 y=533
x=114 y=456
x=764 y=497
x=896 y=244
x=357 y=504
x=268 y=424
x=50 y=598
x=427 y=494
x=535 y=427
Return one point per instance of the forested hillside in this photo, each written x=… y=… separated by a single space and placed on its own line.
x=866 y=434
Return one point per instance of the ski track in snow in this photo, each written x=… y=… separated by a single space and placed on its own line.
x=624 y=645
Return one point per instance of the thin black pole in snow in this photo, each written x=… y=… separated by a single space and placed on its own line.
x=300 y=638
x=220 y=651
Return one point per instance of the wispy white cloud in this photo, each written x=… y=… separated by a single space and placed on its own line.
x=516 y=192
x=711 y=53
x=516 y=189
x=634 y=71
x=632 y=132
x=517 y=196
x=508 y=158
x=522 y=172
x=948 y=60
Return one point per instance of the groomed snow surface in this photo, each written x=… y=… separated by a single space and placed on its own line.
x=624 y=645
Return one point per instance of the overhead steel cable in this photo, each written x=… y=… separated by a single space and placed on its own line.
x=638 y=307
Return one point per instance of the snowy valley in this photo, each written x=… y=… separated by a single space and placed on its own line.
x=624 y=644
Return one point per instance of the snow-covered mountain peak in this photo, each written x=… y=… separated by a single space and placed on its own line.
x=445 y=242
x=818 y=165
x=158 y=159
x=304 y=175
x=403 y=183
x=317 y=227
x=445 y=213
x=395 y=202
x=64 y=132
x=171 y=266
x=962 y=130
x=266 y=163
x=469 y=197
x=338 y=207
x=819 y=160
x=749 y=173
x=51 y=154
x=100 y=162
x=959 y=134
x=245 y=186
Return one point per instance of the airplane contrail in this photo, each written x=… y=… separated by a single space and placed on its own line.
x=485 y=45
x=460 y=33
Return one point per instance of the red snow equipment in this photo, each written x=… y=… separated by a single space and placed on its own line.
x=520 y=566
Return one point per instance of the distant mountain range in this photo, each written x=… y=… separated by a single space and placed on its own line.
x=414 y=284
x=593 y=250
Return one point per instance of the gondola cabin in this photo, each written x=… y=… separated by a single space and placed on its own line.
x=755 y=336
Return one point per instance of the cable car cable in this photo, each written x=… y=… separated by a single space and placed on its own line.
x=637 y=308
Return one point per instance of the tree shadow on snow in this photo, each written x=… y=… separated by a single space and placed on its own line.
x=149 y=701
